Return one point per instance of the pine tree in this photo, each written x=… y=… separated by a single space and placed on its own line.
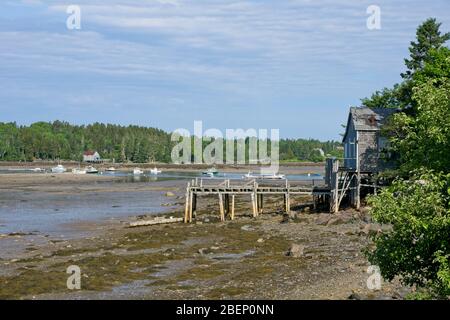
x=428 y=37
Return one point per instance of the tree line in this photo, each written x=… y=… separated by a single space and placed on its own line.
x=64 y=141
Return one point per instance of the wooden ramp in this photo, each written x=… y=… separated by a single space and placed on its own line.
x=226 y=192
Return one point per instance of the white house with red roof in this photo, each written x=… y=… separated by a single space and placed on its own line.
x=91 y=156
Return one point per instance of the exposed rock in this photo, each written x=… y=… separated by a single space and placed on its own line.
x=260 y=240
x=354 y=296
x=247 y=228
x=296 y=250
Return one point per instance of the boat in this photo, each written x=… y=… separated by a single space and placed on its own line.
x=91 y=170
x=210 y=172
x=137 y=171
x=111 y=169
x=59 y=169
x=37 y=170
x=155 y=171
x=78 y=171
x=265 y=176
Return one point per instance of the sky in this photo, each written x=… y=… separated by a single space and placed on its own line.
x=292 y=65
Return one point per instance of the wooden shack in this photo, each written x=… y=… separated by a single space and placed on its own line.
x=364 y=156
x=363 y=142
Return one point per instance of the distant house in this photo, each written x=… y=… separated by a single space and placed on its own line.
x=362 y=140
x=91 y=156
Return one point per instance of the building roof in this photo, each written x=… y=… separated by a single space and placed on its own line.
x=89 y=153
x=367 y=119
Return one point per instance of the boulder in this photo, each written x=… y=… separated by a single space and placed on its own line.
x=296 y=250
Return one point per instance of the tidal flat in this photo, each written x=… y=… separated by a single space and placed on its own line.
x=242 y=259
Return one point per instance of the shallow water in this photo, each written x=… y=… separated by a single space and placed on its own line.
x=58 y=213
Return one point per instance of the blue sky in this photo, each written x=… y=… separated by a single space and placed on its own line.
x=293 y=65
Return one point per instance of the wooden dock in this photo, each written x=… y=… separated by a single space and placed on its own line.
x=227 y=190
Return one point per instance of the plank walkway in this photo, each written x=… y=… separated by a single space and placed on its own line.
x=226 y=192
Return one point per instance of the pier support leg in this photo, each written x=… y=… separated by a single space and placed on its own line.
x=222 y=214
x=194 y=205
x=186 y=208
x=227 y=204
x=232 y=207
x=358 y=191
x=191 y=196
x=260 y=203
x=287 y=203
x=254 y=205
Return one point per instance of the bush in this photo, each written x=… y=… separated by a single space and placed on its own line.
x=418 y=247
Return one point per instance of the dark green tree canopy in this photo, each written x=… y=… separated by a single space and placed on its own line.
x=428 y=37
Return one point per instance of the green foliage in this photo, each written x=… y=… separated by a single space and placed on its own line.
x=418 y=206
x=387 y=98
x=428 y=37
x=309 y=150
x=61 y=140
x=428 y=59
x=418 y=247
x=423 y=139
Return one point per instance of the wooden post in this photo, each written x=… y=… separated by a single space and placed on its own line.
x=336 y=185
x=186 y=209
x=232 y=207
x=222 y=215
x=191 y=196
x=227 y=204
x=194 y=205
x=254 y=205
x=261 y=203
x=358 y=190
x=288 y=202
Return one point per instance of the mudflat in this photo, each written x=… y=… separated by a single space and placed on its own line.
x=305 y=254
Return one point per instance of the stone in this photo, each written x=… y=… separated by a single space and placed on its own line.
x=296 y=250
x=247 y=228
x=260 y=240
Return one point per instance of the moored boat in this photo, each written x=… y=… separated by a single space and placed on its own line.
x=137 y=171
x=155 y=171
x=78 y=171
x=58 y=169
x=91 y=170
x=265 y=176
x=210 y=172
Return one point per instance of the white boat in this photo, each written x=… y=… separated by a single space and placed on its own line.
x=59 y=169
x=268 y=176
x=137 y=171
x=111 y=169
x=91 y=170
x=210 y=172
x=37 y=170
x=78 y=171
x=155 y=171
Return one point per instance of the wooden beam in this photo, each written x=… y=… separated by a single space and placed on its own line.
x=155 y=221
x=222 y=215
x=191 y=196
x=232 y=207
x=186 y=209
